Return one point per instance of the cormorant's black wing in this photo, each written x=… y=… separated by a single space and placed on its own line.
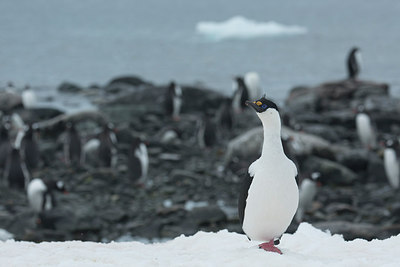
x=243 y=195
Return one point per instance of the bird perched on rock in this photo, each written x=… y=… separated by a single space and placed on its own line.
x=269 y=195
x=225 y=115
x=108 y=146
x=365 y=130
x=173 y=100
x=16 y=174
x=40 y=194
x=391 y=162
x=28 y=97
x=72 y=145
x=307 y=192
x=29 y=148
x=138 y=161
x=5 y=144
x=252 y=81
x=240 y=94
x=207 y=132
x=354 y=63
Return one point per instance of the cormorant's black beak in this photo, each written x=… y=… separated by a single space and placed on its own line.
x=254 y=106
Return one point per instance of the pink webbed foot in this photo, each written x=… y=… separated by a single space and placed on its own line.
x=269 y=246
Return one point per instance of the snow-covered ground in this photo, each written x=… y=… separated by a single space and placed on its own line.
x=307 y=247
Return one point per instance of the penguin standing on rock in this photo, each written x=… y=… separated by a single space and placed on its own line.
x=269 y=195
x=72 y=145
x=225 y=115
x=207 y=132
x=173 y=100
x=240 y=94
x=391 y=162
x=16 y=174
x=40 y=194
x=30 y=149
x=5 y=145
x=365 y=130
x=252 y=81
x=28 y=97
x=138 y=161
x=307 y=192
x=107 y=147
x=354 y=63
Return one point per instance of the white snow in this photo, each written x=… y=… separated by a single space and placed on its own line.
x=239 y=27
x=307 y=247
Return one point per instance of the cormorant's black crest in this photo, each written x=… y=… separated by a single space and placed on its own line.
x=262 y=105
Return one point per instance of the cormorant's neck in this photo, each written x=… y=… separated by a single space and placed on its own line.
x=272 y=144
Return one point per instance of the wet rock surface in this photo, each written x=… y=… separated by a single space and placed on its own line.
x=190 y=189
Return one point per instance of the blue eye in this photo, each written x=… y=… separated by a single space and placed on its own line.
x=264 y=106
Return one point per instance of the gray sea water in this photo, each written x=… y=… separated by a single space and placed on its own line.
x=45 y=42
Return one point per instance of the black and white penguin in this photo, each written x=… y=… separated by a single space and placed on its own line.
x=5 y=144
x=173 y=101
x=107 y=146
x=225 y=115
x=307 y=192
x=252 y=81
x=72 y=145
x=269 y=195
x=354 y=63
x=207 y=132
x=28 y=97
x=365 y=129
x=138 y=161
x=391 y=162
x=240 y=94
x=16 y=174
x=29 y=148
x=40 y=194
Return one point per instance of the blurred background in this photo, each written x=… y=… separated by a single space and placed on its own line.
x=131 y=105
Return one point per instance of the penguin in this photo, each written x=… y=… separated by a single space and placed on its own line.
x=365 y=130
x=29 y=148
x=269 y=195
x=252 y=81
x=107 y=147
x=16 y=174
x=173 y=100
x=5 y=144
x=72 y=145
x=225 y=115
x=207 y=132
x=240 y=94
x=353 y=63
x=391 y=162
x=307 y=192
x=138 y=161
x=28 y=97
x=40 y=194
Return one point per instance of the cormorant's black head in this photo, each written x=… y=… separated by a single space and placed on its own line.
x=262 y=105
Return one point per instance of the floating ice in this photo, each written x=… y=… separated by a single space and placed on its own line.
x=239 y=27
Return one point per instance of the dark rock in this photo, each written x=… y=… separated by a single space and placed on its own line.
x=67 y=87
x=331 y=172
x=9 y=101
x=349 y=230
x=131 y=80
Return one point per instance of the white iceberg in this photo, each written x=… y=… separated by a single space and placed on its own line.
x=240 y=27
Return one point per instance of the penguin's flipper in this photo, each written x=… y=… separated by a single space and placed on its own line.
x=243 y=195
